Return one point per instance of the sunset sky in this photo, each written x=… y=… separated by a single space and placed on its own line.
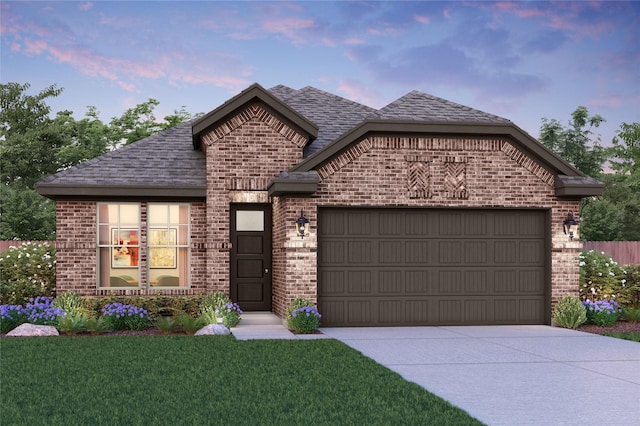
x=519 y=60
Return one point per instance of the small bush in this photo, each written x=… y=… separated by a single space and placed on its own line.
x=72 y=323
x=631 y=314
x=97 y=325
x=166 y=324
x=601 y=278
x=11 y=316
x=211 y=305
x=230 y=314
x=305 y=319
x=126 y=317
x=296 y=304
x=28 y=271
x=570 y=312
x=189 y=324
x=602 y=312
x=69 y=302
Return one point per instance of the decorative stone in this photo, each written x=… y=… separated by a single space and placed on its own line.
x=29 y=330
x=213 y=329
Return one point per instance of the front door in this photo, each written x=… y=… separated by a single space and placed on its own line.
x=251 y=256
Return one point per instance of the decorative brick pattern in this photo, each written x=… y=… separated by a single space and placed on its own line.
x=455 y=177
x=418 y=182
x=347 y=157
x=526 y=162
x=255 y=111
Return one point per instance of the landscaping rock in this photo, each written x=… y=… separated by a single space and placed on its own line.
x=29 y=330
x=213 y=329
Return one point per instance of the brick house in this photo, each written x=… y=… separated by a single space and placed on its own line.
x=424 y=212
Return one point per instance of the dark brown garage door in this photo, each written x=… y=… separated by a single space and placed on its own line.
x=389 y=267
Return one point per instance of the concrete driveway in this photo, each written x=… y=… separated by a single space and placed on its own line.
x=513 y=375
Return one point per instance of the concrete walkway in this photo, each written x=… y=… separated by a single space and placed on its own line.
x=503 y=375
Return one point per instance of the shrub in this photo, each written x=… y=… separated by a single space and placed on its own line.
x=11 y=316
x=189 y=324
x=119 y=316
x=570 y=312
x=166 y=324
x=210 y=306
x=230 y=314
x=305 y=319
x=631 y=314
x=72 y=323
x=97 y=325
x=28 y=271
x=601 y=278
x=42 y=312
x=602 y=312
x=69 y=302
x=297 y=303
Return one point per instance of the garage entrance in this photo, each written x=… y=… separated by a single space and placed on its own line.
x=393 y=267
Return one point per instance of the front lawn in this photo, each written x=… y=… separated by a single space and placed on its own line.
x=205 y=380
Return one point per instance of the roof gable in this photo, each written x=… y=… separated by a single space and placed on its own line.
x=250 y=95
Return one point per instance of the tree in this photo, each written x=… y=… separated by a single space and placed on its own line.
x=626 y=153
x=572 y=142
x=34 y=145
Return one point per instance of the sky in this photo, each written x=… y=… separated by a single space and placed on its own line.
x=519 y=60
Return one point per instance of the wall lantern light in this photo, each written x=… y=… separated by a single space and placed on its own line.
x=302 y=225
x=568 y=223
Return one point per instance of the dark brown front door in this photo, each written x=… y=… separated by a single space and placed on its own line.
x=251 y=256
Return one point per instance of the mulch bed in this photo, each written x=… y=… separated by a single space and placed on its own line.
x=618 y=327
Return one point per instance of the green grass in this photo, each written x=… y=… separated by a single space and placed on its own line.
x=634 y=337
x=186 y=380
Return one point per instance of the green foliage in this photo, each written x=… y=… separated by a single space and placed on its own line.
x=601 y=278
x=26 y=215
x=28 y=271
x=297 y=303
x=305 y=319
x=631 y=314
x=626 y=154
x=572 y=142
x=214 y=300
x=189 y=324
x=634 y=337
x=230 y=313
x=166 y=324
x=168 y=380
x=97 y=325
x=72 y=323
x=69 y=301
x=570 y=312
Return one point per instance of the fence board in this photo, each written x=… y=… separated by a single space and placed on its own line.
x=623 y=252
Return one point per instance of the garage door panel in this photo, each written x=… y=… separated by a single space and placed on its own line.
x=433 y=267
x=332 y=253
x=390 y=282
x=391 y=252
x=450 y=252
x=332 y=283
x=416 y=252
x=359 y=252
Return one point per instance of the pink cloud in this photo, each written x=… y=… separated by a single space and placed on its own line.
x=608 y=101
x=422 y=19
x=35 y=47
x=87 y=5
x=362 y=93
x=289 y=27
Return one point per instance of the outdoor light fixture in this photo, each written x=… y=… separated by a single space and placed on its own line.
x=568 y=222
x=302 y=225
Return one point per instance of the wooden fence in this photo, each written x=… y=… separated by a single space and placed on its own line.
x=623 y=252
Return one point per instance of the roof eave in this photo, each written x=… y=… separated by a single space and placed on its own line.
x=251 y=94
x=577 y=188
x=101 y=192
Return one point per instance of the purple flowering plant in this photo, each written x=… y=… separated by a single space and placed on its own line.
x=39 y=311
x=602 y=312
x=119 y=316
x=230 y=313
x=305 y=319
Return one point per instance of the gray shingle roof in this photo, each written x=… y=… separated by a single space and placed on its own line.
x=418 y=106
x=166 y=159
x=332 y=114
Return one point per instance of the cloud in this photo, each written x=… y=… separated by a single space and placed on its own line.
x=86 y=5
x=361 y=92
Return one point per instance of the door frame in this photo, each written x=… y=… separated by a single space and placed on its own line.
x=267 y=294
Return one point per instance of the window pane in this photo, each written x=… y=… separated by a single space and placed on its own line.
x=129 y=214
x=249 y=220
x=158 y=214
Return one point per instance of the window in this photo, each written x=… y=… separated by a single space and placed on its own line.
x=168 y=245
x=119 y=245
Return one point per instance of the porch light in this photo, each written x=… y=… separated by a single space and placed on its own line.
x=302 y=225
x=568 y=223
